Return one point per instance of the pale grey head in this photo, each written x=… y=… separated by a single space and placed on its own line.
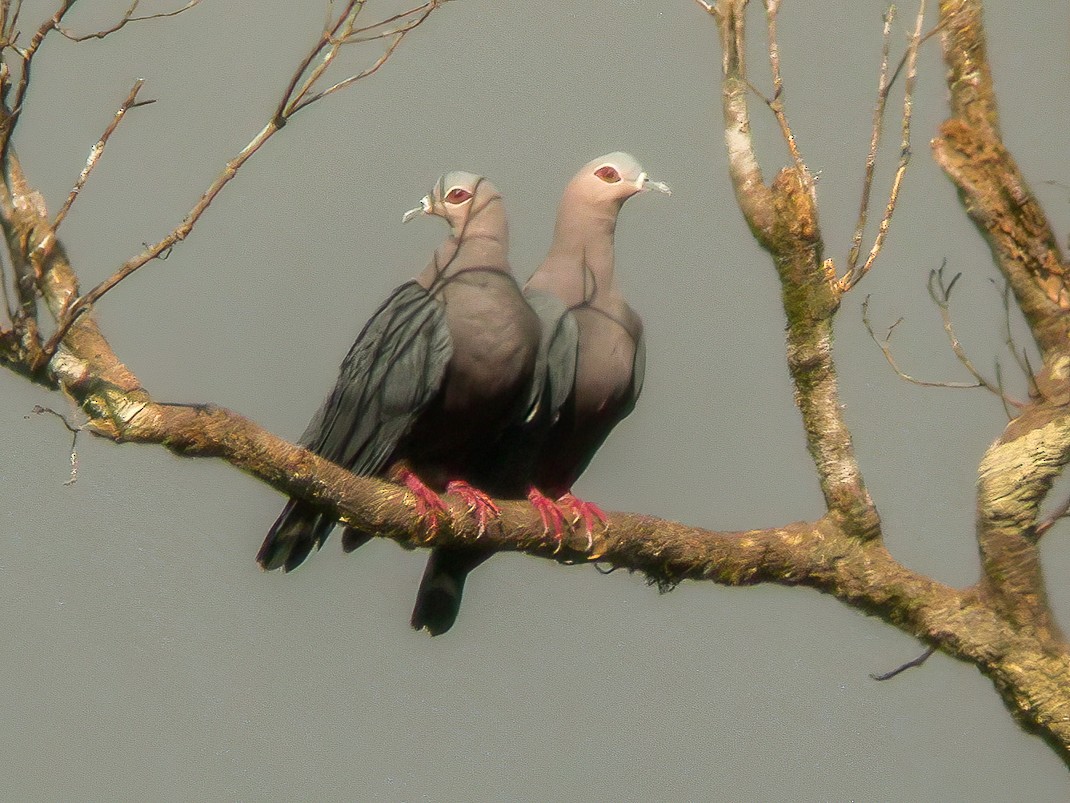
x=611 y=180
x=458 y=196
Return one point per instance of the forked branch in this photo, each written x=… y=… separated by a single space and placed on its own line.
x=300 y=92
x=854 y=272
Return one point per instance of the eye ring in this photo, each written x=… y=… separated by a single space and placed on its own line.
x=458 y=195
x=608 y=174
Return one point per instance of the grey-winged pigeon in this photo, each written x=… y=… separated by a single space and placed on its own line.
x=590 y=370
x=441 y=368
x=608 y=373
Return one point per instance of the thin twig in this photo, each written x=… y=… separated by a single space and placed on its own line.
x=874 y=144
x=887 y=351
x=127 y=18
x=1022 y=359
x=364 y=74
x=343 y=33
x=1061 y=512
x=330 y=42
x=98 y=149
x=27 y=54
x=38 y=410
x=8 y=307
x=11 y=21
x=772 y=7
x=178 y=234
x=940 y=293
x=925 y=656
x=1002 y=392
x=852 y=277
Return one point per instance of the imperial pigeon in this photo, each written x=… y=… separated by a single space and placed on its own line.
x=442 y=367
x=607 y=376
x=587 y=378
x=504 y=470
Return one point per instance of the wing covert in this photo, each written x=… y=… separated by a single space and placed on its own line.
x=394 y=369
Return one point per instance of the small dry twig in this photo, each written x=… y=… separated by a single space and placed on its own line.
x=27 y=54
x=1022 y=357
x=1061 y=512
x=127 y=18
x=38 y=410
x=887 y=351
x=772 y=7
x=925 y=656
x=854 y=274
x=883 y=86
x=940 y=293
x=131 y=102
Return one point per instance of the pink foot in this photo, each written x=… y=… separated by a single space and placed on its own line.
x=553 y=520
x=587 y=512
x=430 y=508
x=479 y=504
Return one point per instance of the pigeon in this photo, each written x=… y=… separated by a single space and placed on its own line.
x=587 y=378
x=436 y=375
x=607 y=377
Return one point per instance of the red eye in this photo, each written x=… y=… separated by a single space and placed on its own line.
x=458 y=195
x=608 y=174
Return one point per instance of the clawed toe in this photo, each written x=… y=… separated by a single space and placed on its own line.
x=479 y=504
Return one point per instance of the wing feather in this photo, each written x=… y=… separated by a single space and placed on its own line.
x=394 y=370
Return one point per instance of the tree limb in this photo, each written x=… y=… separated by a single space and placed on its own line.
x=783 y=218
x=1018 y=470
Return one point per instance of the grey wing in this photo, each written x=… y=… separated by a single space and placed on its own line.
x=394 y=369
x=555 y=366
x=638 y=367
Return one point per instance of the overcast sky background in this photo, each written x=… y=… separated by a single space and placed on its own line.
x=145 y=654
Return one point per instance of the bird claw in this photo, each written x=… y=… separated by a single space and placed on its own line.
x=479 y=504
x=587 y=512
x=430 y=508
x=553 y=520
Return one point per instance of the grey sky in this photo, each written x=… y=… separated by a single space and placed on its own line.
x=146 y=655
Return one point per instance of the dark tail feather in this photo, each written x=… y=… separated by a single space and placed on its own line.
x=299 y=529
x=354 y=539
x=439 y=599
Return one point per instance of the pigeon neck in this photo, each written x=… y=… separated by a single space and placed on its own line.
x=580 y=266
x=481 y=243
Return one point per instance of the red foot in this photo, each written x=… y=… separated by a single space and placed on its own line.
x=479 y=504
x=587 y=512
x=553 y=520
x=429 y=506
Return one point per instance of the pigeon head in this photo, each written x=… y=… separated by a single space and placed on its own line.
x=612 y=179
x=458 y=196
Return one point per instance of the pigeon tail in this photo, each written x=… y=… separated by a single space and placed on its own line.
x=439 y=599
x=299 y=529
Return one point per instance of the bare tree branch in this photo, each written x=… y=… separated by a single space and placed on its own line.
x=853 y=276
x=1060 y=512
x=127 y=18
x=772 y=8
x=783 y=218
x=295 y=97
x=995 y=193
x=883 y=344
x=940 y=293
x=1018 y=470
x=1002 y=625
x=97 y=150
x=874 y=143
x=916 y=662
